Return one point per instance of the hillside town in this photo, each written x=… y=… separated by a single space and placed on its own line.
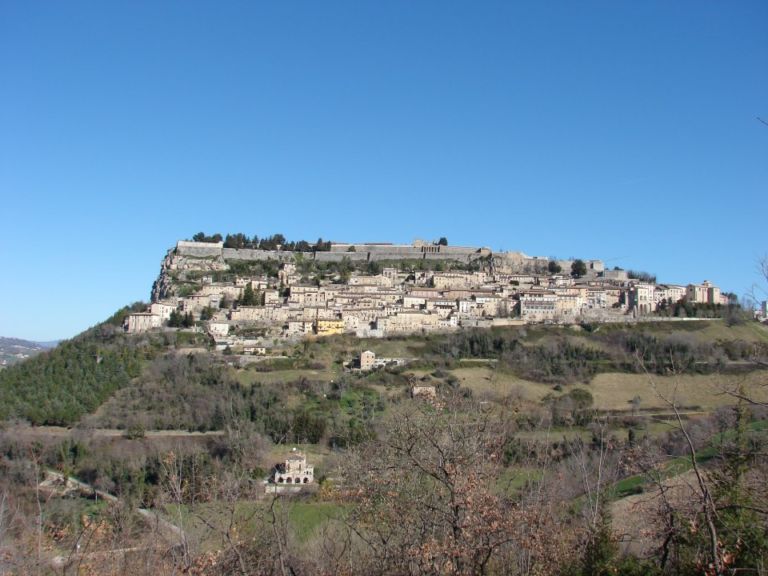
x=253 y=299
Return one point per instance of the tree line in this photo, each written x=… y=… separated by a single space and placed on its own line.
x=561 y=360
x=243 y=241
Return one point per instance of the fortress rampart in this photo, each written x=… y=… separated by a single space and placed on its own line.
x=374 y=252
x=199 y=249
x=260 y=255
x=355 y=252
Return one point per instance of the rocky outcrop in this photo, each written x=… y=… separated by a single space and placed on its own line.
x=177 y=268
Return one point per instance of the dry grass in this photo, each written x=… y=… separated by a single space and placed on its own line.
x=248 y=377
x=749 y=332
x=636 y=518
x=489 y=383
x=616 y=391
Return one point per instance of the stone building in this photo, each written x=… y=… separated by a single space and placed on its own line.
x=218 y=330
x=294 y=470
x=641 y=299
x=704 y=293
x=162 y=309
x=141 y=322
x=616 y=275
x=329 y=327
x=670 y=293
x=367 y=360
x=538 y=305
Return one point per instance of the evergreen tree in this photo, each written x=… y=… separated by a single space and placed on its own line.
x=249 y=296
x=578 y=268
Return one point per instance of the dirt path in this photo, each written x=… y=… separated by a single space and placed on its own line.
x=56 y=480
x=61 y=431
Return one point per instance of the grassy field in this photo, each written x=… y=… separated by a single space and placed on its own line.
x=248 y=377
x=206 y=523
x=555 y=434
x=749 y=332
x=704 y=391
x=615 y=391
x=348 y=347
x=486 y=381
x=306 y=517
x=512 y=480
x=682 y=464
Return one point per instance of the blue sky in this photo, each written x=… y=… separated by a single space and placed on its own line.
x=625 y=131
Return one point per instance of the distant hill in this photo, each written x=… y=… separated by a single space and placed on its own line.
x=14 y=350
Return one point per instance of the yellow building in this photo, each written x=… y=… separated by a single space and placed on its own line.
x=329 y=327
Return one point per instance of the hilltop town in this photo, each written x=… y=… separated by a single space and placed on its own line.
x=251 y=299
x=234 y=409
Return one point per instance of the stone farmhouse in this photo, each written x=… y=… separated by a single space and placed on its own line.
x=294 y=470
x=368 y=361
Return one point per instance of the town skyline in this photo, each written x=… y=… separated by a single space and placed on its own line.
x=609 y=264
x=254 y=296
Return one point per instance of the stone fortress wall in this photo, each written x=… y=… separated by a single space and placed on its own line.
x=355 y=252
x=199 y=249
x=260 y=255
x=363 y=252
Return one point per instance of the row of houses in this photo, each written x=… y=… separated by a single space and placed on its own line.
x=397 y=302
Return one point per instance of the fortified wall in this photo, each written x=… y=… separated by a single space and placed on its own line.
x=261 y=255
x=417 y=251
x=355 y=252
x=511 y=262
x=199 y=249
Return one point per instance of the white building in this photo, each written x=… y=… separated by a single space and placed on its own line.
x=218 y=330
x=538 y=305
x=669 y=292
x=141 y=322
x=162 y=309
x=641 y=299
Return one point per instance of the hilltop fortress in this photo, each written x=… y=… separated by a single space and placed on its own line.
x=250 y=299
x=213 y=256
x=356 y=252
x=376 y=251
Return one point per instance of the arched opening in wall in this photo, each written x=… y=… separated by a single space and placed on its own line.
x=306 y=480
x=280 y=480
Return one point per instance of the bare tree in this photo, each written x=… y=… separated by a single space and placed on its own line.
x=426 y=500
x=731 y=513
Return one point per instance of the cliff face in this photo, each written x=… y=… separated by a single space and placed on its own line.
x=162 y=287
x=179 y=267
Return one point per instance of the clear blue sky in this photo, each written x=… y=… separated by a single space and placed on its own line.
x=619 y=130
